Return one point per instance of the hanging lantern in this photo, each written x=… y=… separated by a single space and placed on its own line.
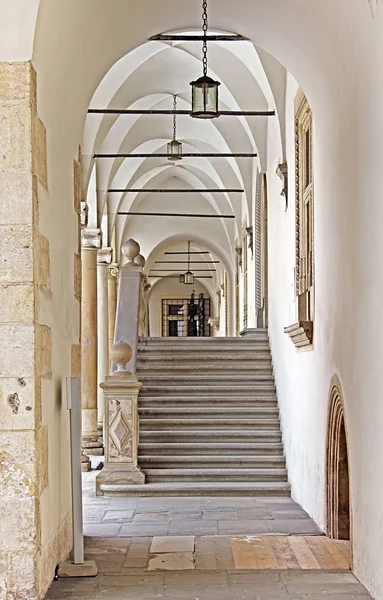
x=188 y=277
x=181 y=278
x=205 y=89
x=174 y=147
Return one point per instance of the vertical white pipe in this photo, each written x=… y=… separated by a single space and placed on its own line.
x=74 y=406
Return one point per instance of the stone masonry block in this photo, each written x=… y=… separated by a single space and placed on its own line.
x=18 y=525
x=17 y=464
x=17 y=191
x=17 y=353
x=42 y=261
x=76 y=360
x=22 y=576
x=39 y=149
x=17 y=82
x=17 y=302
x=77 y=276
x=42 y=458
x=16 y=254
x=17 y=404
x=15 y=137
x=43 y=353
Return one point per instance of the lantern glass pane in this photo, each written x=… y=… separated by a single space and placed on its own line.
x=181 y=278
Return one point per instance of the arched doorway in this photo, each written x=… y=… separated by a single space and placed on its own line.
x=338 y=486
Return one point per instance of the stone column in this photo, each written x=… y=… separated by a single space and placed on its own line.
x=91 y=240
x=121 y=426
x=104 y=258
x=112 y=306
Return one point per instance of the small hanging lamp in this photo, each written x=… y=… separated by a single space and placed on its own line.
x=174 y=147
x=205 y=89
x=189 y=276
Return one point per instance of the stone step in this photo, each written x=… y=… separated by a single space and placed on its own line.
x=260 y=333
x=146 y=400
x=240 y=474
x=214 y=424
x=209 y=378
x=207 y=412
x=211 y=461
x=195 y=357
x=230 y=448
x=278 y=488
x=262 y=389
x=188 y=369
x=209 y=435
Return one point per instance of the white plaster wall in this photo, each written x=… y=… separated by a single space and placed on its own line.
x=348 y=168
x=170 y=288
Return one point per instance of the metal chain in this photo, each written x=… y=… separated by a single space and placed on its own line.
x=204 y=29
x=174 y=116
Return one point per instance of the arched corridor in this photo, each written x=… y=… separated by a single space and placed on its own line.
x=212 y=293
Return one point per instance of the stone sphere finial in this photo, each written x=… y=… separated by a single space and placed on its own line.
x=140 y=261
x=121 y=353
x=131 y=249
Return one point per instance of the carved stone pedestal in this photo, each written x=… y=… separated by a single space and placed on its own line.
x=121 y=432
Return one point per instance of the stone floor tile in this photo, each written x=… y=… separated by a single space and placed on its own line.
x=206 y=577
x=123 y=503
x=197 y=591
x=155 y=529
x=292 y=527
x=107 y=530
x=219 y=516
x=253 y=514
x=172 y=561
x=251 y=527
x=117 y=516
x=322 y=582
x=172 y=544
x=150 y=518
x=193 y=528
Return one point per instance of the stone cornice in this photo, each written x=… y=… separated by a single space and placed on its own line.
x=91 y=239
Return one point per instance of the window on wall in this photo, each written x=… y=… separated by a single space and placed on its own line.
x=301 y=332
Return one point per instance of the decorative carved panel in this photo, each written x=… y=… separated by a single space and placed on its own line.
x=121 y=429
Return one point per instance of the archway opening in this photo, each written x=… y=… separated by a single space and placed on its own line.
x=338 y=485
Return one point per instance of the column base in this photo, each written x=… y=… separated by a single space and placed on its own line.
x=119 y=474
x=85 y=463
x=249 y=332
x=92 y=446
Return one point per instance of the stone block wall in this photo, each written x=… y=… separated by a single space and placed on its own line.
x=26 y=343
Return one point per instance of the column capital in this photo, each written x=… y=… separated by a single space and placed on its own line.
x=104 y=256
x=84 y=209
x=91 y=239
x=113 y=269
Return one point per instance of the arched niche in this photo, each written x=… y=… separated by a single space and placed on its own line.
x=338 y=481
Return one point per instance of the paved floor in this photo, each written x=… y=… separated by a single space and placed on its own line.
x=196 y=548
x=143 y=517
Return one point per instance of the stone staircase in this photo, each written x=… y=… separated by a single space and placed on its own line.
x=209 y=420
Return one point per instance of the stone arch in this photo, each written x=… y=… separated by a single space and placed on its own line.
x=338 y=502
